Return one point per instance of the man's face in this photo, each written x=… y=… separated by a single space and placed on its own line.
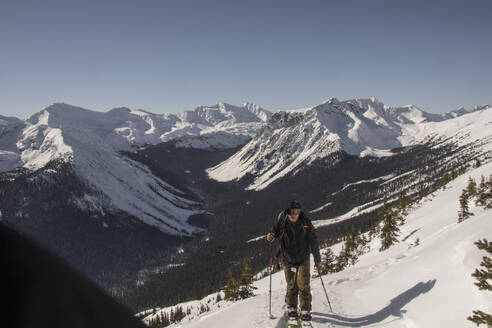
x=293 y=214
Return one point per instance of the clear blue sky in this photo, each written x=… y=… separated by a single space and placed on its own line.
x=171 y=56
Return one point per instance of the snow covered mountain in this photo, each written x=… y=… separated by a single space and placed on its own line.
x=91 y=141
x=422 y=281
x=361 y=127
x=217 y=127
x=65 y=180
x=10 y=130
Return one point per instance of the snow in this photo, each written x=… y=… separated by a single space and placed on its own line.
x=91 y=141
x=384 y=177
x=360 y=127
x=425 y=284
x=356 y=211
x=10 y=130
x=255 y=239
x=41 y=144
x=321 y=207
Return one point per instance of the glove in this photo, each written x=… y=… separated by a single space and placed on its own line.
x=270 y=237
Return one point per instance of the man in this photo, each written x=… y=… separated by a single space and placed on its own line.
x=297 y=240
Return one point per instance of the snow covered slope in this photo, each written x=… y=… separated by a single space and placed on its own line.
x=10 y=130
x=90 y=141
x=426 y=284
x=218 y=127
x=359 y=127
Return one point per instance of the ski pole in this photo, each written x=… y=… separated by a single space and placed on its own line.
x=270 y=292
x=326 y=294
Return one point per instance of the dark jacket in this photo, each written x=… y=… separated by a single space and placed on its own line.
x=297 y=239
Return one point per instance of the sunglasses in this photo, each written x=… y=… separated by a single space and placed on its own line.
x=294 y=211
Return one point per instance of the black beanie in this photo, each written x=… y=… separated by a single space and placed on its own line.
x=294 y=204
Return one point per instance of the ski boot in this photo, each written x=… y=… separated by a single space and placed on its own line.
x=305 y=315
x=292 y=312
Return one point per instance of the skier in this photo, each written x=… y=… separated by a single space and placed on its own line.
x=297 y=240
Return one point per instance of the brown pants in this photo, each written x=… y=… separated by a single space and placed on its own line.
x=301 y=287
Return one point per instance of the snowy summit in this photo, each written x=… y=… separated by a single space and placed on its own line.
x=91 y=142
x=360 y=127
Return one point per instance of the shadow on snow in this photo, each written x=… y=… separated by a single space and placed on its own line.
x=394 y=308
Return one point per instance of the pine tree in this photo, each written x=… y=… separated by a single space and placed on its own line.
x=444 y=181
x=464 y=212
x=399 y=218
x=482 y=276
x=484 y=193
x=179 y=314
x=481 y=190
x=165 y=320
x=345 y=254
x=485 y=274
x=245 y=280
x=488 y=194
x=204 y=308
x=231 y=291
x=453 y=175
x=350 y=247
x=341 y=261
x=401 y=211
x=422 y=191
x=471 y=189
x=171 y=316
x=328 y=265
x=403 y=202
x=389 y=229
x=462 y=169
x=361 y=243
x=375 y=229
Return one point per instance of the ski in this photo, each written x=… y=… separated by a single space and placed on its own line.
x=293 y=322
x=296 y=322
x=306 y=324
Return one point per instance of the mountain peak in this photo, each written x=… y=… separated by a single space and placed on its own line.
x=294 y=139
x=375 y=100
x=118 y=110
x=63 y=107
x=480 y=107
x=221 y=113
x=331 y=100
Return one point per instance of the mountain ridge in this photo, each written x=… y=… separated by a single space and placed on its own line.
x=91 y=141
x=61 y=204
x=360 y=127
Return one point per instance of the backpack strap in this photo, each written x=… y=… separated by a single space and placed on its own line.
x=305 y=224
